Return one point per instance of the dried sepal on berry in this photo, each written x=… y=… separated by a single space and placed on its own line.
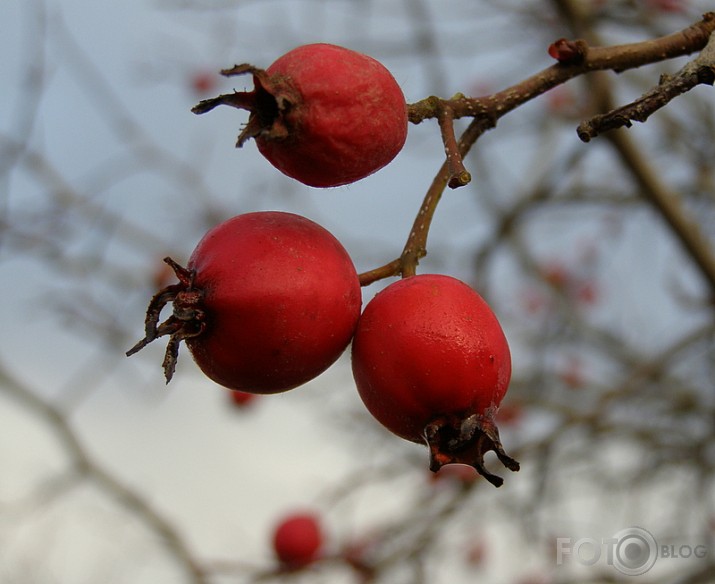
x=465 y=440
x=187 y=321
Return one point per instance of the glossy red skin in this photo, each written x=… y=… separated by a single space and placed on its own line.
x=429 y=346
x=350 y=122
x=282 y=299
x=297 y=540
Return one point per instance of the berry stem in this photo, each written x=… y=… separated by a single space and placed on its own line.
x=386 y=271
x=416 y=245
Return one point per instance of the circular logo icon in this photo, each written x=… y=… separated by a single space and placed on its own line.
x=635 y=551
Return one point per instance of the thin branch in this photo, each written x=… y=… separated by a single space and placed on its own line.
x=653 y=189
x=616 y=58
x=458 y=175
x=487 y=110
x=700 y=71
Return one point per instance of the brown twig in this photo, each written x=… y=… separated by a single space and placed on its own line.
x=616 y=58
x=487 y=110
x=700 y=71
x=416 y=246
x=653 y=189
x=391 y=269
x=458 y=175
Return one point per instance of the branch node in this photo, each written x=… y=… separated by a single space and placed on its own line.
x=568 y=52
x=458 y=174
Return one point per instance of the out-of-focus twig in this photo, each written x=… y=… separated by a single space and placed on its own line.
x=85 y=465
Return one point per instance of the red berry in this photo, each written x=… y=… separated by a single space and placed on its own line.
x=431 y=363
x=297 y=540
x=268 y=301
x=202 y=82
x=241 y=399
x=322 y=114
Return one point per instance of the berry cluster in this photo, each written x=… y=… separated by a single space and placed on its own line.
x=269 y=300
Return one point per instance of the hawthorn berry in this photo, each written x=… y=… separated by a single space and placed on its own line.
x=241 y=399
x=321 y=114
x=432 y=364
x=297 y=540
x=268 y=301
x=202 y=82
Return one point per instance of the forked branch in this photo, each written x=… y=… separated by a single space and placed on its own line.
x=487 y=110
